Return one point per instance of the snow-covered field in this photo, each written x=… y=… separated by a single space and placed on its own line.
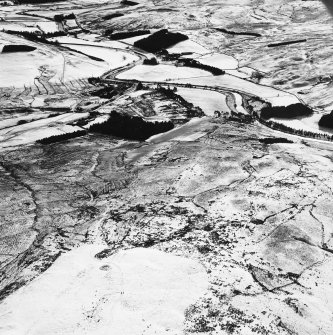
x=30 y=132
x=239 y=103
x=242 y=72
x=47 y=26
x=188 y=46
x=134 y=292
x=220 y=61
x=16 y=26
x=191 y=131
x=306 y=123
x=192 y=76
x=28 y=24
x=132 y=40
x=161 y=73
x=229 y=82
x=114 y=58
x=208 y=101
x=22 y=68
x=89 y=40
x=11 y=122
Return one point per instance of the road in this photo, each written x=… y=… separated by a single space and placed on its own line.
x=236 y=94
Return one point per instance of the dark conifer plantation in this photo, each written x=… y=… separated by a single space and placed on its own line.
x=287 y=112
x=326 y=120
x=130 y=127
x=162 y=39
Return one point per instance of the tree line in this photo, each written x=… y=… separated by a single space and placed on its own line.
x=272 y=140
x=189 y=62
x=61 y=137
x=292 y=111
x=293 y=131
x=38 y=36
